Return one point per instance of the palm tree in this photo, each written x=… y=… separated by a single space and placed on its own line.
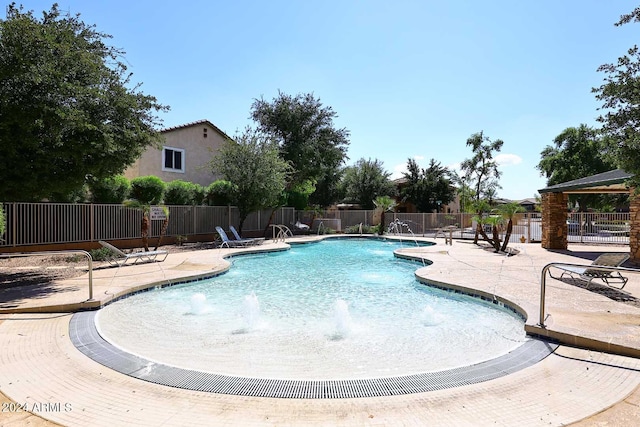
x=508 y=211
x=385 y=203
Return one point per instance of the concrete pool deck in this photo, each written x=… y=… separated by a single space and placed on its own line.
x=44 y=379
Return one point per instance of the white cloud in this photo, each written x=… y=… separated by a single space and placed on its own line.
x=508 y=159
x=398 y=171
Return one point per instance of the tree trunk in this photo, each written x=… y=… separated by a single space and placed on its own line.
x=496 y=238
x=266 y=228
x=144 y=231
x=507 y=235
x=381 y=229
x=163 y=231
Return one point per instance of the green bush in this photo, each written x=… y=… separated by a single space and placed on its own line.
x=113 y=189
x=219 y=193
x=199 y=193
x=3 y=222
x=147 y=190
x=366 y=229
x=102 y=254
x=180 y=192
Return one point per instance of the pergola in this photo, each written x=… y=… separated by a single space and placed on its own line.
x=554 y=208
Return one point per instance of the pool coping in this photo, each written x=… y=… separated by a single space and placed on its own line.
x=86 y=338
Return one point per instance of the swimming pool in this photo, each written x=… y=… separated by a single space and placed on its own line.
x=337 y=309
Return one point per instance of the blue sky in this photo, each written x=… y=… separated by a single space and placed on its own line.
x=408 y=79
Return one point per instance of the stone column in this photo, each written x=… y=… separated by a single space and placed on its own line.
x=554 y=220
x=634 y=228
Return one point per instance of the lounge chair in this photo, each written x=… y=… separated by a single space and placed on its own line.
x=121 y=258
x=588 y=274
x=230 y=243
x=250 y=241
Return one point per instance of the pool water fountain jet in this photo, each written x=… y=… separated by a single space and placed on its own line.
x=251 y=311
x=198 y=304
x=342 y=319
x=430 y=317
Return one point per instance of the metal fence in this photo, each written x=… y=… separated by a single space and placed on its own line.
x=461 y=226
x=52 y=223
x=589 y=227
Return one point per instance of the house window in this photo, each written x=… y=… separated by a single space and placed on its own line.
x=173 y=159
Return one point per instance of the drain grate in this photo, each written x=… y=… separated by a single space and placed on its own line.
x=85 y=337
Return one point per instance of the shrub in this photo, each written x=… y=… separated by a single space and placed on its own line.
x=219 y=193
x=366 y=229
x=3 y=222
x=102 y=254
x=180 y=192
x=147 y=190
x=113 y=189
x=198 y=194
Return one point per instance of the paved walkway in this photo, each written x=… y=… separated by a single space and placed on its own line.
x=41 y=371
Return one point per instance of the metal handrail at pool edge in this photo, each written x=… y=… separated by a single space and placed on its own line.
x=546 y=268
x=48 y=253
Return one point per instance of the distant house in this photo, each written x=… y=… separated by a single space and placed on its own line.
x=185 y=154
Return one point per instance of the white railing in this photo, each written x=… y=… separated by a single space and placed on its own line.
x=50 y=253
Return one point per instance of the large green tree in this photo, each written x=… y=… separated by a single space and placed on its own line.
x=481 y=170
x=68 y=109
x=428 y=188
x=257 y=173
x=365 y=181
x=306 y=135
x=578 y=152
x=481 y=173
x=620 y=97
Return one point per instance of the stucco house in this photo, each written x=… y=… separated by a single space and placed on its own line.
x=185 y=154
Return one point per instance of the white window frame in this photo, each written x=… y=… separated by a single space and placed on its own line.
x=183 y=157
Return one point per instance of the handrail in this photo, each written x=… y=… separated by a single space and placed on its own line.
x=546 y=268
x=47 y=253
x=283 y=231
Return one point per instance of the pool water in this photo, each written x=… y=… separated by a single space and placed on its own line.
x=337 y=309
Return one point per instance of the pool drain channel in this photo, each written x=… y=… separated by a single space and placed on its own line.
x=85 y=337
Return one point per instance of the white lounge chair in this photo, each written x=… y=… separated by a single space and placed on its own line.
x=588 y=274
x=230 y=243
x=121 y=258
x=248 y=240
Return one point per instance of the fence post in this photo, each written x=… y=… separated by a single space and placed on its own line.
x=92 y=223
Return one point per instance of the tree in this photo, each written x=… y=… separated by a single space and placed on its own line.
x=508 y=211
x=68 y=109
x=365 y=181
x=577 y=153
x=306 y=136
x=481 y=170
x=427 y=188
x=384 y=203
x=620 y=97
x=257 y=174
x=327 y=189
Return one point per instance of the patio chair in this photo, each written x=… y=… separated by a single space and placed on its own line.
x=121 y=258
x=230 y=243
x=588 y=274
x=251 y=241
